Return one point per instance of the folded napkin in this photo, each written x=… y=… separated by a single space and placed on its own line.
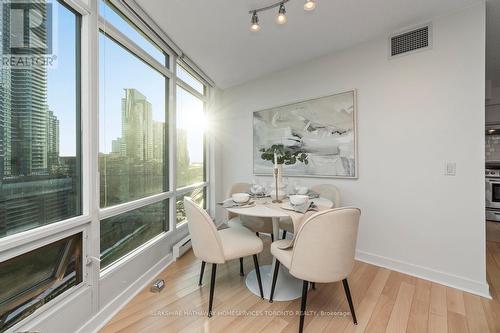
x=229 y=203
x=304 y=207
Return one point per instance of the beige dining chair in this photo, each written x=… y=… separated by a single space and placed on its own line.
x=323 y=252
x=327 y=191
x=218 y=246
x=255 y=224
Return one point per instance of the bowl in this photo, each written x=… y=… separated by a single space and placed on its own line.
x=298 y=199
x=240 y=197
x=302 y=190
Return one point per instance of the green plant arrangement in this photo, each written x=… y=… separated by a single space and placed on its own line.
x=284 y=155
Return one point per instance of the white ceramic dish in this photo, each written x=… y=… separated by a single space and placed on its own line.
x=302 y=190
x=298 y=199
x=240 y=197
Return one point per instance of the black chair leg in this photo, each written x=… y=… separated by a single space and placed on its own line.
x=201 y=272
x=284 y=234
x=314 y=285
x=257 y=270
x=212 y=287
x=303 y=302
x=241 y=267
x=272 y=238
x=349 y=300
x=275 y=277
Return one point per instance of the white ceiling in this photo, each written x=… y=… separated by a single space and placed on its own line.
x=215 y=33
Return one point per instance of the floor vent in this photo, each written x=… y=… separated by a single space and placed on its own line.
x=410 y=41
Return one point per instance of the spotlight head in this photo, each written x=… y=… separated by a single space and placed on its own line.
x=255 y=27
x=309 y=5
x=281 y=17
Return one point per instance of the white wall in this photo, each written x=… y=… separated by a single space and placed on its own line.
x=414 y=113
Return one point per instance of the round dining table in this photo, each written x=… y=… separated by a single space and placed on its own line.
x=287 y=287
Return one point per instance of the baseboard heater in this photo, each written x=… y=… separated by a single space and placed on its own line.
x=182 y=247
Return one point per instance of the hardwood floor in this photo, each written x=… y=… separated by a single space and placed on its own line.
x=385 y=301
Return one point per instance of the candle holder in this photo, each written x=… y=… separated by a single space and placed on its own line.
x=276 y=189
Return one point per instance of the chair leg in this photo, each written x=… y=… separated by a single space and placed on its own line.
x=275 y=277
x=303 y=302
x=257 y=270
x=313 y=285
x=201 y=272
x=212 y=287
x=272 y=238
x=349 y=300
x=284 y=234
x=241 y=267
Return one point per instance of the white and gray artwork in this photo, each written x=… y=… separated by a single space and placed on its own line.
x=324 y=128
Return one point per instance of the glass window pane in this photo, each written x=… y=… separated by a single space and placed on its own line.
x=34 y=278
x=126 y=232
x=190 y=139
x=132 y=117
x=190 y=80
x=40 y=123
x=198 y=196
x=113 y=16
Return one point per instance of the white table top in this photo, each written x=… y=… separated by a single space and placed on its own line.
x=263 y=209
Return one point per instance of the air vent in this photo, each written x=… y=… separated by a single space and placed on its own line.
x=410 y=41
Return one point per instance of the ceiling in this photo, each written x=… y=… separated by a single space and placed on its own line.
x=215 y=33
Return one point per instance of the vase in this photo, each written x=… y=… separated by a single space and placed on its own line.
x=281 y=186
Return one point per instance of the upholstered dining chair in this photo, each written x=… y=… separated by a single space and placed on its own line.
x=327 y=191
x=323 y=252
x=218 y=246
x=256 y=224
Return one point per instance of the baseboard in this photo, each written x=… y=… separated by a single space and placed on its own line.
x=112 y=308
x=450 y=280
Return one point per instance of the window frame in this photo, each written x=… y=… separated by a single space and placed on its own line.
x=172 y=192
x=87 y=222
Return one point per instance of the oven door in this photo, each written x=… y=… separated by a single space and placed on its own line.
x=493 y=193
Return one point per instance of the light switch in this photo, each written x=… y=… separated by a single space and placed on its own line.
x=450 y=169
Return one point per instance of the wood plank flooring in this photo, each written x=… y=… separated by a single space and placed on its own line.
x=385 y=301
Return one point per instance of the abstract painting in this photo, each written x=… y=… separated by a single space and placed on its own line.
x=324 y=128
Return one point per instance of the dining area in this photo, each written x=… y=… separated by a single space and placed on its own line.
x=312 y=241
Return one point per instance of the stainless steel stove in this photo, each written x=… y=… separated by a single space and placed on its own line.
x=493 y=194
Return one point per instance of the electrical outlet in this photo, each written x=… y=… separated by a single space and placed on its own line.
x=450 y=168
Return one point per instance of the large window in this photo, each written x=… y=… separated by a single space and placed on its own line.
x=62 y=203
x=132 y=126
x=40 y=168
x=190 y=139
x=123 y=233
x=133 y=147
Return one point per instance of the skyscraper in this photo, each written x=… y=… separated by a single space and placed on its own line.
x=24 y=108
x=158 y=140
x=137 y=125
x=52 y=140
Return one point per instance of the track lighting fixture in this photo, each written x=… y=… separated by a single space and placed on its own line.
x=280 y=17
x=255 y=27
x=309 y=5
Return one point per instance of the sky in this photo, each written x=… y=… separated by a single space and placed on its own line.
x=118 y=70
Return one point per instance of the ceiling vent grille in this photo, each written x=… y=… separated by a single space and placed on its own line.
x=410 y=41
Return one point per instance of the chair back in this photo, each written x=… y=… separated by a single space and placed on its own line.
x=325 y=245
x=237 y=188
x=205 y=238
x=329 y=192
